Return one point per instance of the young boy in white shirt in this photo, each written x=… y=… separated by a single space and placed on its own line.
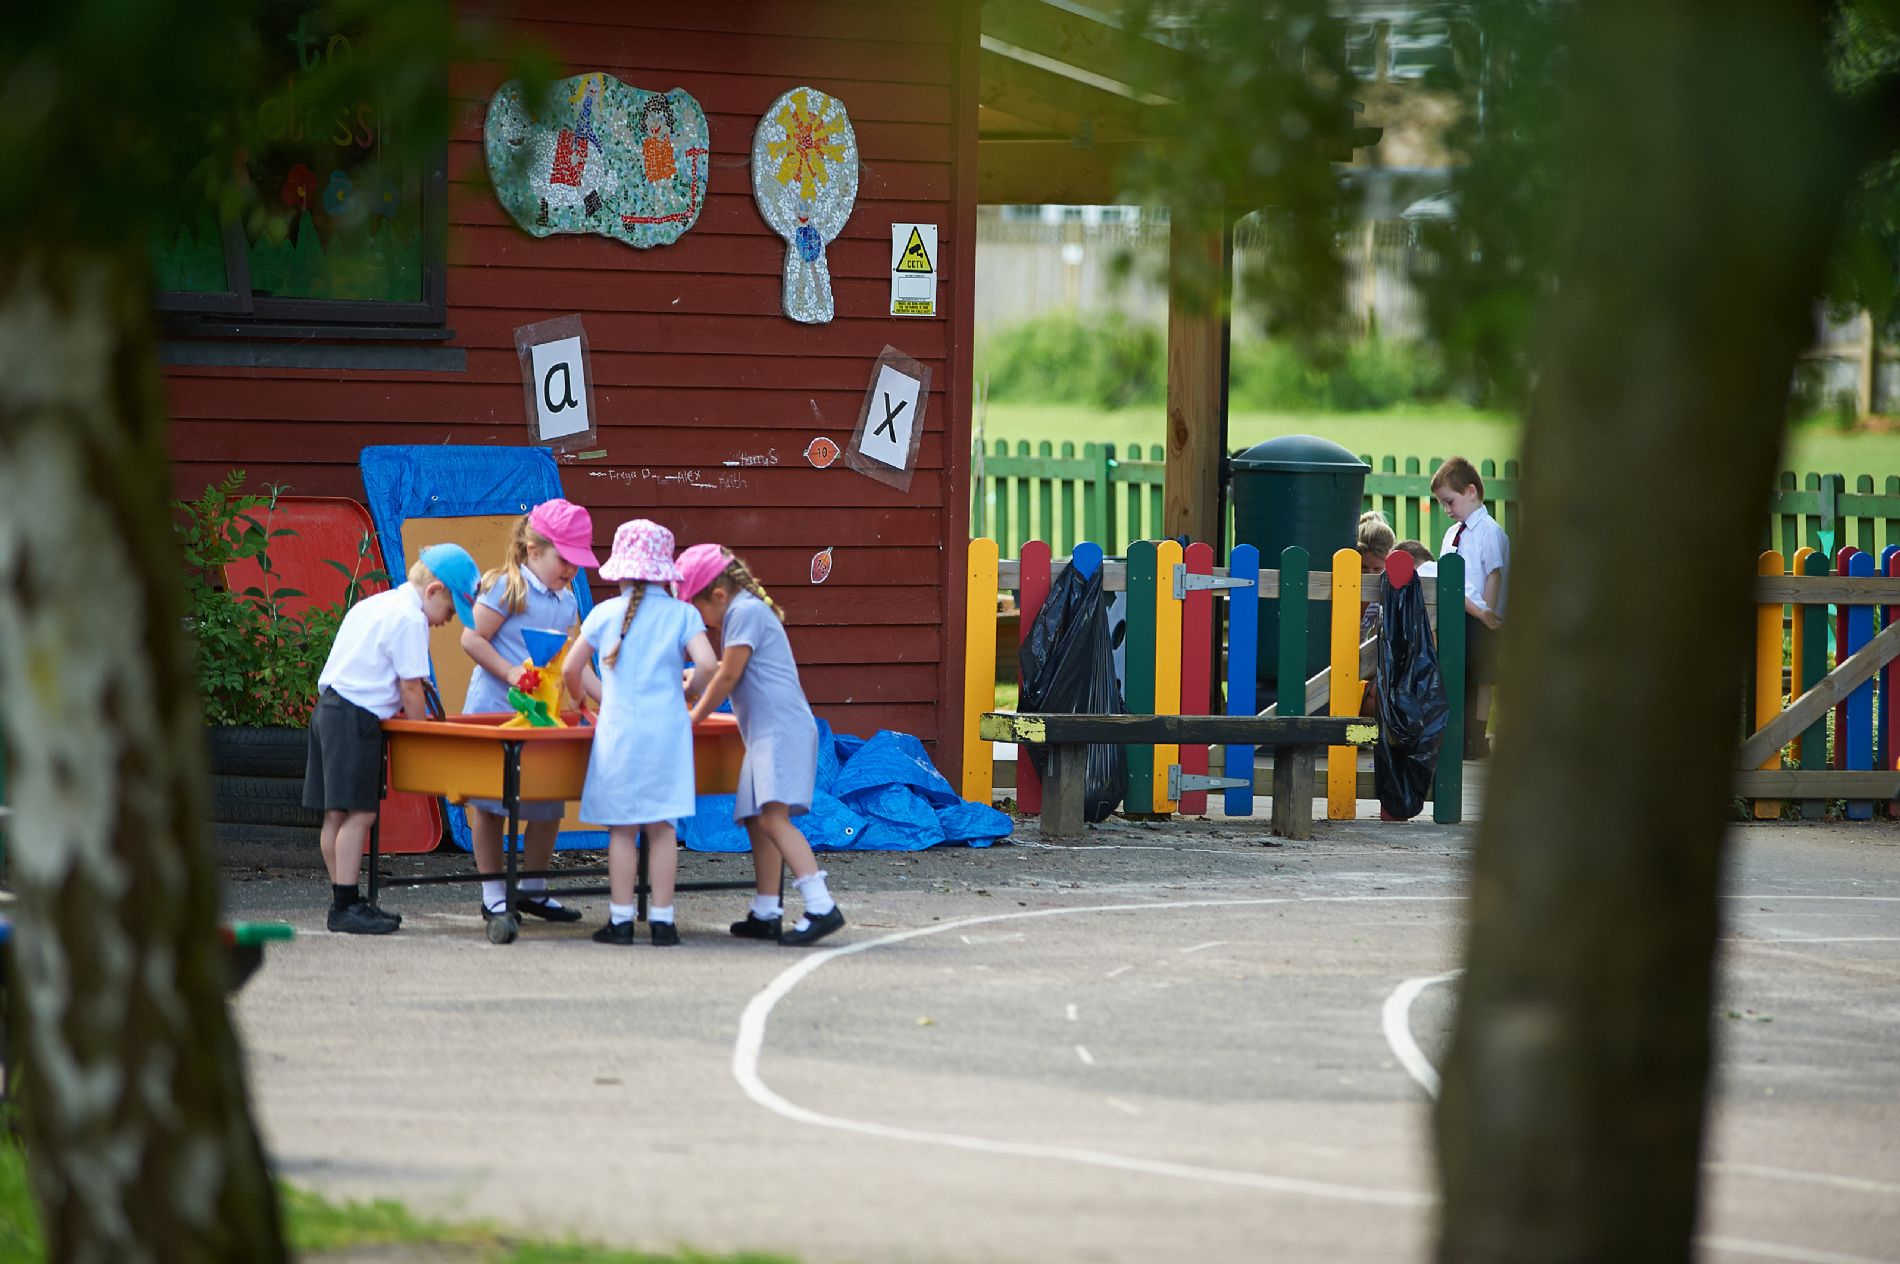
x=1476 y=537
x=377 y=667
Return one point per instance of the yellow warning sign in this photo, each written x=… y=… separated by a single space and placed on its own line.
x=916 y=258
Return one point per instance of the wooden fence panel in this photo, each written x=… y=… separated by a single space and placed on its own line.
x=1197 y=664
x=1243 y=648
x=1813 y=617
x=1342 y=762
x=1035 y=591
x=1448 y=778
x=1139 y=673
x=1167 y=662
x=1860 y=703
x=1767 y=690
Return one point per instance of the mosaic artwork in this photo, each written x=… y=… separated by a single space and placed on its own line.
x=805 y=180
x=605 y=158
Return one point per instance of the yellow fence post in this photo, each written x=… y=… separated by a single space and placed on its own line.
x=1768 y=672
x=1342 y=762
x=1797 y=565
x=1168 y=555
x=979 y=670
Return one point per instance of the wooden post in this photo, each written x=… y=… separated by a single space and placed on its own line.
x=1034 y=582
x=1062 y=811
x=1342 y=762
x=1294 y=768
x=979 y=670
x=1290 y=685
x=1883 y=693
x=1138 y=653
x=1768 y=673
x=1167 y=662
x=1197 y=668
x=1860 y=703
x=1198 y=248
x=1243 y=648
x=1842 y=556
x=1448 y=777
x=1813 y=619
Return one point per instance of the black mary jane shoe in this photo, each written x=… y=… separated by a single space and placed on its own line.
x=665 y=934
x=816 y=928
x=756 y=927
x=546 y=911
x=615 y=933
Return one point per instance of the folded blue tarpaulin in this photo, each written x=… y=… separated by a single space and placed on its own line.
x=880 y=793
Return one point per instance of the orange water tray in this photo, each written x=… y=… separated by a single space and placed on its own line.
x=462 y=758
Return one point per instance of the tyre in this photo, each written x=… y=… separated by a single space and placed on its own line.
x=261 y=801
x=238 y=751
x=227 y=834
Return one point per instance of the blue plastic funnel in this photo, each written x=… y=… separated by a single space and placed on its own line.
x=542 y=646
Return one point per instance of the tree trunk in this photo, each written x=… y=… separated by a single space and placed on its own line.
x=134 y=1111
x=1707 y=166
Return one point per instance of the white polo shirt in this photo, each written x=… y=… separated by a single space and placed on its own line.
x=1485 y=548
x=384 y=640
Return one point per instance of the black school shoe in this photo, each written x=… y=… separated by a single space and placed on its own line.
x=665 y=934
x=756 y=927
x=362 y=918
x=548 y=912
x=615 y=933
x=816 y=928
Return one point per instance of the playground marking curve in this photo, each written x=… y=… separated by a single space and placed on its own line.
x=749 y=1043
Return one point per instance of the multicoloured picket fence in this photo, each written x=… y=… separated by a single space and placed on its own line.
x=1180 y=651
x=1851 y=601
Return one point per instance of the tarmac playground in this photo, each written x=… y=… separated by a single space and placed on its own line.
x=1188 y=1042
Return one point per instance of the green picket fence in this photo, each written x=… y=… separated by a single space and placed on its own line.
x=1099 y=494
x=1114 y=498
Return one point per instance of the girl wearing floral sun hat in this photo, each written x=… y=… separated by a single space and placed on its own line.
x=640 y=775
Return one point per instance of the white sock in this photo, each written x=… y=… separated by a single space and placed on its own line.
x=657 y=914
x=534 y=884
x=618 y=913
x=815 y=893
x=494 y=892
x=537 y=888
x=767 y=907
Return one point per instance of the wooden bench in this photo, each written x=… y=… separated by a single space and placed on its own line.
x=1296 y=742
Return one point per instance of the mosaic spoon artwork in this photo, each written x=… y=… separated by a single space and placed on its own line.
x=805 y=180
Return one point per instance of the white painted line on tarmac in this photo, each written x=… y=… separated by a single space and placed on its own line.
x=1395 y=1016
x=1815 y=939
x=1859 y=1184
x=1212 y=943
x=1785 y=895
x=1088 y=1059
x=749 y=1043
x=1776 y=1251
x=1117 y=972
x=1072 y=1011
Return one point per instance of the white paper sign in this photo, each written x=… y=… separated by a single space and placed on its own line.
x=560 y=388
x=913 y=269
x=893 y=411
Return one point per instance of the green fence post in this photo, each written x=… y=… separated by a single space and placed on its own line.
x=1000 y=462
x=1511 y=506
x=1411 y=505
x=1067 y=544
x=1139 y=658
x=1111 y=539
x=1045 y=495
x=1094 y=484
x=1158 y=455
x=1864 y=521
x=1893 y=509
x=1448 y=778
x=1025 y=530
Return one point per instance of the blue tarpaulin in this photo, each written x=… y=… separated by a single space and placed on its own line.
x=880 y=793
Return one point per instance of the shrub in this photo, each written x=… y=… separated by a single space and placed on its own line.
x=256 y=663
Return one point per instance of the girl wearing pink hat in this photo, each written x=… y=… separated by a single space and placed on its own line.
x=757 y=671
x=532 y=588
x=640 y=775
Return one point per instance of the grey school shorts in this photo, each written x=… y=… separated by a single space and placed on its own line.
x=344 y=772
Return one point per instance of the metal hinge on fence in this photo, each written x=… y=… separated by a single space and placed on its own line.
x=1185 y=583
x=1180 y=783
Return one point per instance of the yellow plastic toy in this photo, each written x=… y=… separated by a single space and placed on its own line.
x=536 y=693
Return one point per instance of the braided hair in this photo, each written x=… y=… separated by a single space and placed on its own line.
x=638 y=591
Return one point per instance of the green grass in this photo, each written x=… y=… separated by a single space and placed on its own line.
x=314 y=1225
x=1424 y=432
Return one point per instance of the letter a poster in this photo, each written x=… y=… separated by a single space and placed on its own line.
x=557 y=384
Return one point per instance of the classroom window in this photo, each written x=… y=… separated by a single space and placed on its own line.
x=343 y=231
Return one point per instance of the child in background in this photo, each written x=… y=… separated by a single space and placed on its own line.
x=531 y=589
x=640 y=775
x=377 y=667
x=1475 y=536
x=757 y=671
x=1418 y=552
x=1374 y=543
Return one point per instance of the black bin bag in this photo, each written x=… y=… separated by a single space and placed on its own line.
x=1412 y=704
x=1068 y=669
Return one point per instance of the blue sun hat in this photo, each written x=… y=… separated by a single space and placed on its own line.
x=451 y=564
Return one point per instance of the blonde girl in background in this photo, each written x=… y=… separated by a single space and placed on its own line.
x=640 y=775
x=533 y=588
x=757 y=671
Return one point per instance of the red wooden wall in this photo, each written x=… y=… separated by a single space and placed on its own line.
x=693 y=363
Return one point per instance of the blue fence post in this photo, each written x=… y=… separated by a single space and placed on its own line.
x=1243 y=649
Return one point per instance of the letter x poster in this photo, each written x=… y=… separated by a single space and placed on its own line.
x=891 y=423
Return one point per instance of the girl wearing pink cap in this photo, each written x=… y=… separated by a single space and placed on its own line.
x=757 y=671
x=640 y=775
x=533 y=588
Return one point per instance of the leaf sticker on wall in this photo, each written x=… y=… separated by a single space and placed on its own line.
x=821 y=566
x=821 y=452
